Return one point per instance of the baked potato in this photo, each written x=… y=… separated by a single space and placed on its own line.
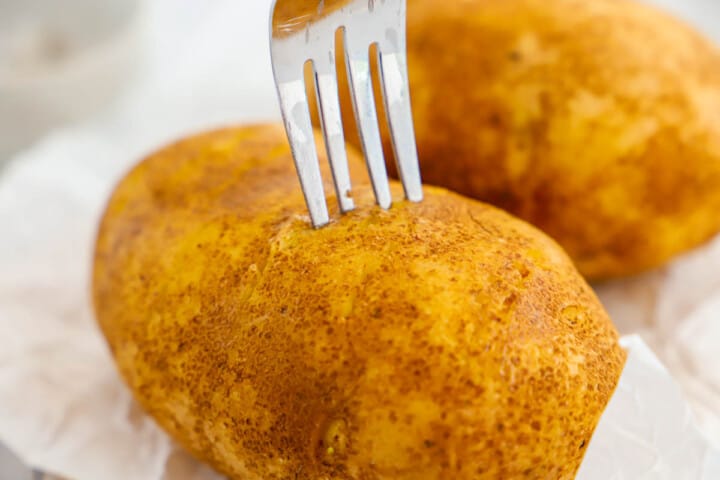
x=596 y=121
x=437 y=340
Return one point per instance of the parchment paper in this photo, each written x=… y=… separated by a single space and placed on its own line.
x=63 y=408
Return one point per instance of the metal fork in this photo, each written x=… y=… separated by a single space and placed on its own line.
x=304 y=30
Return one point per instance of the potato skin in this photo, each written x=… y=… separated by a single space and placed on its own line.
x=437 y=340
x=596 y=121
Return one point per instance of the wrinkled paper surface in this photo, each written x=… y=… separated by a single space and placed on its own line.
x=63 y=408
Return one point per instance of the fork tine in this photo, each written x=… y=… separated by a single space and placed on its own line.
x=359 y=77
x=394 y=80
x=296 y=115
x=332 y=126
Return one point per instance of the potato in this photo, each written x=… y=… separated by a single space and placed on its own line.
x=437 y=340
x=597 y=121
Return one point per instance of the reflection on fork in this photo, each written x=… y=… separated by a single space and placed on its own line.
x=304 y=31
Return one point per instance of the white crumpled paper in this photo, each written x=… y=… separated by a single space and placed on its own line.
x=63 y=408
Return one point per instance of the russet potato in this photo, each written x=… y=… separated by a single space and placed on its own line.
x=432 y=341
x=596 y=121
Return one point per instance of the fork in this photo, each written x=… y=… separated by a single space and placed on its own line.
x=304 y=30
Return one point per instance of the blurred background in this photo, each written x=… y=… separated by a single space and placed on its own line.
x=64 y=63
x=80 y=63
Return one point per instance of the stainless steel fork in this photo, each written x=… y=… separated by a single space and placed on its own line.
x=304 y=30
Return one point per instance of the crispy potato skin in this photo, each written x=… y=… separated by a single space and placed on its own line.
x=596 y=121
x=432 y=341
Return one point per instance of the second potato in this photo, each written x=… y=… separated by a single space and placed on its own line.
x=599 y=122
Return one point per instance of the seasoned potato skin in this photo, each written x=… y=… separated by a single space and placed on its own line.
x=596 y=121
x=437 y=340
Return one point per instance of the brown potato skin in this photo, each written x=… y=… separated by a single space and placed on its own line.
x=437 y=340
x=596 y=121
